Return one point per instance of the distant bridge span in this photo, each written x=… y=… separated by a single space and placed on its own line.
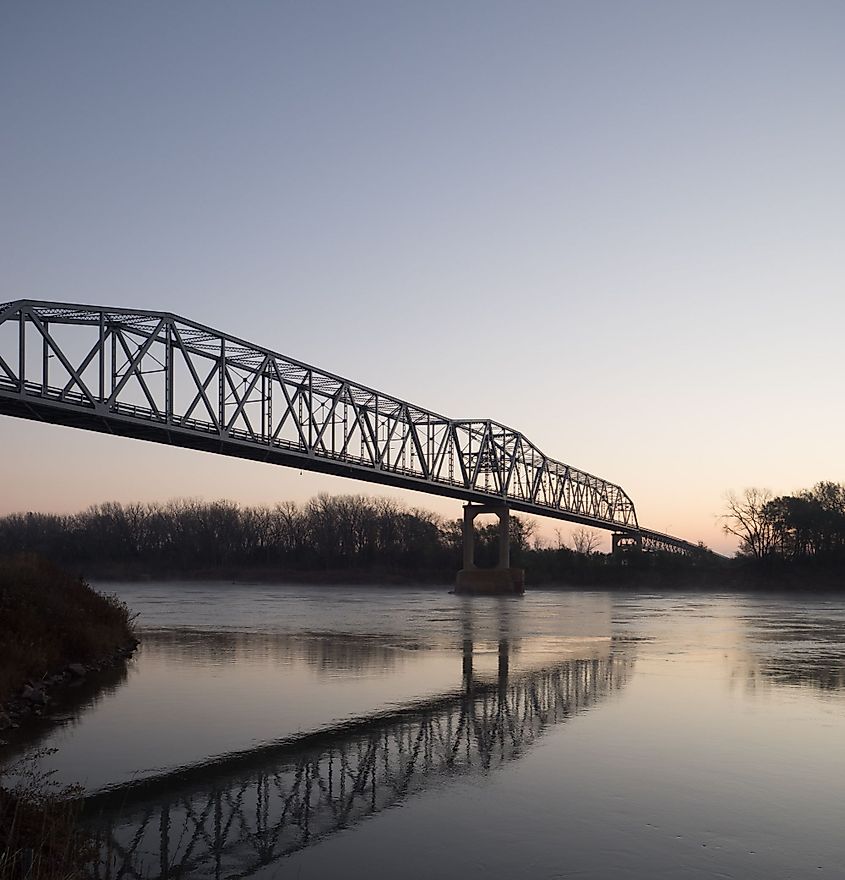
x=156 y=376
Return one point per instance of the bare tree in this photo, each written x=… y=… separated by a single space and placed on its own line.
x=585 y=541
x=746 y=518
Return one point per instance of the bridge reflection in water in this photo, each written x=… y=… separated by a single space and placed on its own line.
x=235 y=815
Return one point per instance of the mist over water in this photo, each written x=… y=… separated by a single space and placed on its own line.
x=306 y=731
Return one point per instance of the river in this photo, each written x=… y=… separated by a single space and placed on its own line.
x=273 y=731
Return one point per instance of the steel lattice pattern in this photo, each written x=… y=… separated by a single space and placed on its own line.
x=159 y=377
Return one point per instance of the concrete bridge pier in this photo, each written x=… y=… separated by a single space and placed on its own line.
x=623 y=543
x=500 y=580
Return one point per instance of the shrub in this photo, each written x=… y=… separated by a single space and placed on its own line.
x=49 y=618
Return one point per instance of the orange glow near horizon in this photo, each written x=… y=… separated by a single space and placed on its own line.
x=95 y=468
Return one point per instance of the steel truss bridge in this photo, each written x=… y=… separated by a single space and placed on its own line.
x=232 y=817
x=156 y=376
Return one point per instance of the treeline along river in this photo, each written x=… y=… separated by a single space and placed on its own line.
x=327 y=533
x=795 y=542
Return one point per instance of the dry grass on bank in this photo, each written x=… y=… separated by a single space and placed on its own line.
x=39 y=835
x=49 y=619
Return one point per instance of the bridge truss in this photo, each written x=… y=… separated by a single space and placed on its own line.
x=234 y=817
x=156 y=376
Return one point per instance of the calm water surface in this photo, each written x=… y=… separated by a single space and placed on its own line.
x=315 y=732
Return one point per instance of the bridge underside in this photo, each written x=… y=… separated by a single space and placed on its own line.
x=153 y=376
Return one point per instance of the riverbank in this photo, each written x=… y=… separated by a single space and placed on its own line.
x=267 y=574
x=56 y=631
x=601 y=573
x=55 y=628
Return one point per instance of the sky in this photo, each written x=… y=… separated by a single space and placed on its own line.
x=617 y=227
